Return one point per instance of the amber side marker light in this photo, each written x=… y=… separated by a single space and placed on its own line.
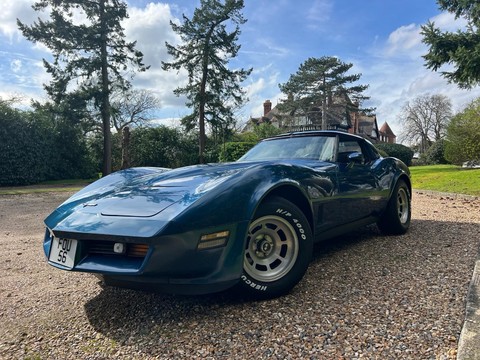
x=213 y=240
x=137 y=250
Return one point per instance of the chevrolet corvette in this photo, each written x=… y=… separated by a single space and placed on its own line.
x=248 y=225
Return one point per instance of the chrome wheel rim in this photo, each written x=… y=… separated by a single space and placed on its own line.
x=271 y=249
x=402 y=205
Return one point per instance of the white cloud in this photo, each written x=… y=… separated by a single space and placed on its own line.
x=405 y=41
x=16 y=65
x=396 y=72
x=10 y=10
x=446 y=21
x=319 y=12
x=150 y=27
x=254 y=88
x=170 y=122
x=21 y=75
x=267 y=47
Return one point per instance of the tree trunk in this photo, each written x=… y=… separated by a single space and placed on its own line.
x=105 y=101
x=324 y=105
x=126 y=148
x=324 y=115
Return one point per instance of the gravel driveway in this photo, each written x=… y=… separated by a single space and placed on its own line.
x=364 y=296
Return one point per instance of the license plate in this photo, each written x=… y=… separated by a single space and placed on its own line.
x=63 y=252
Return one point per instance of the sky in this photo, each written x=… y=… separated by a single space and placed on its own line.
x=381 y=38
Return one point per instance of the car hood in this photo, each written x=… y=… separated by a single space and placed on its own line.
x=144 y=192
x=143 y=201
x=138 y=193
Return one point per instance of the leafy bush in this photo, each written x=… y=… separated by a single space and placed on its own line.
x=36 y=146
x=398 y=151
x=162 y=146
x=266 y=130
x=382 y=153
x=435 y=154
x=22 y=156
x=232 y=151
x=463 y=135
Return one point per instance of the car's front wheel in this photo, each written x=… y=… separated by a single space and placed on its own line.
x=277 y=251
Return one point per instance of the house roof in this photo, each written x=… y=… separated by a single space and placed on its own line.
x=367 y=126
x=385 y=129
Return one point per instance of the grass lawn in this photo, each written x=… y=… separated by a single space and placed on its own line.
x=446 y=178
x=47 y=186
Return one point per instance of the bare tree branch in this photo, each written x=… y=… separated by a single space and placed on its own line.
x=425 y=120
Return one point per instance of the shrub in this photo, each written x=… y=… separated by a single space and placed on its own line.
x=162 y=146
x=463 y=135
x=37 y=145
x=22 y=156
x=232 y=151
x=398 y=151
x=382 y=153
x=435 y=154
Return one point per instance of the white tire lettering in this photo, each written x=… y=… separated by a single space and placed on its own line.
x=252 y=284
x=283 y=212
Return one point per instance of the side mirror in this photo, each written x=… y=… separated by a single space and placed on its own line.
x=356 y=157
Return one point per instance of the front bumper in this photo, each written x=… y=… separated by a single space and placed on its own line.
x=172 y=263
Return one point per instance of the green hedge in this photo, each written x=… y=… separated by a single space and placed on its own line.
x=232 y=151
x=22 y=154
x=398 y=151
x=35 y=148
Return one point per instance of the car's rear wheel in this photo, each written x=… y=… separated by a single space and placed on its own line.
x=277 y=251
x=396 y=219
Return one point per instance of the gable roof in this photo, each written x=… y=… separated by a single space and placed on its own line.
x=366 y=126
x=385 y=129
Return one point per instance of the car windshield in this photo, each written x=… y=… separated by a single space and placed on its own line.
x=320 y=148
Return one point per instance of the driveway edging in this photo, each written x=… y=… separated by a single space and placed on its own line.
x=469 y=342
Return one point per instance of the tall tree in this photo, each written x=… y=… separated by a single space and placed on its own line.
x=91 y=52
x=463 y=135
x=317 y=80
x=460 y=49
x=213 y=90
x=425 y=119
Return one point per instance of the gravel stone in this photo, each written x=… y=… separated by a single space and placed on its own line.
x=365 y=296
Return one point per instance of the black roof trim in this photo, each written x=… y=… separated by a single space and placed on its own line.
x=314 y=133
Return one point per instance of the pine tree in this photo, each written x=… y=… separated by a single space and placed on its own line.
x=316 y=80
x=213 y=90
x=90 y=57
x=460 y=48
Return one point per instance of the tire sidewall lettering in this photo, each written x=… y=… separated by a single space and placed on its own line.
x=252 y=284
x=297 y=224
x=299 y=228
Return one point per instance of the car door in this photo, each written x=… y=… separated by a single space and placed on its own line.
x=358 y=189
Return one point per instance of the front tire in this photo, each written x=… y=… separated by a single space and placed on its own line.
x=277 y=251
x=396 y=219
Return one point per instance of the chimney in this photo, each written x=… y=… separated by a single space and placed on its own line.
x=267 y=107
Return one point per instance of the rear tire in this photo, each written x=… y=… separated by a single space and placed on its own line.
x=396 y=219
x=277 y=251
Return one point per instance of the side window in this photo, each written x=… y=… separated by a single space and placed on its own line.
x=346 y=147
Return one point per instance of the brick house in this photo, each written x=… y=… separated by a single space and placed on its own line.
x=387 y=135
x=338 y=118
